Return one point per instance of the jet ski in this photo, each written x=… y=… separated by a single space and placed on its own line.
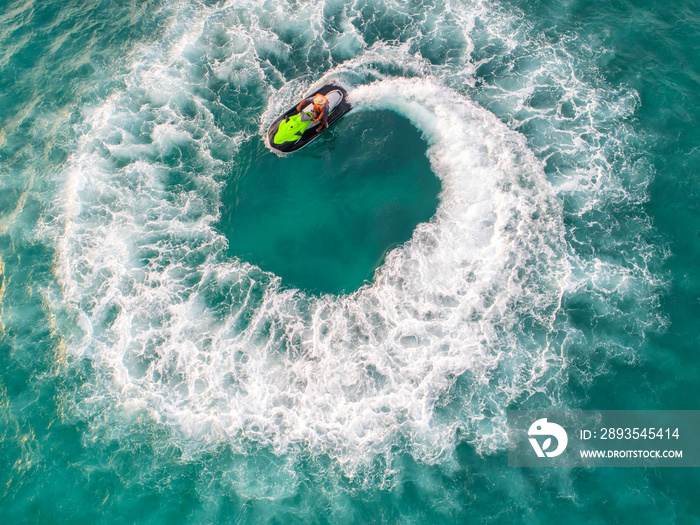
x=295 y=129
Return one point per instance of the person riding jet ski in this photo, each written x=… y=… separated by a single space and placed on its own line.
x=301 y=123
x=320 y=109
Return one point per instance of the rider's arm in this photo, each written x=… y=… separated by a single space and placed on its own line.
x=304 y=102
x=323 y=116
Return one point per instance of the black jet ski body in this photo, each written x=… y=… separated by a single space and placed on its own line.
x=295 y=129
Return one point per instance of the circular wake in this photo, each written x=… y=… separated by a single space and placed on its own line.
x=453 y=329
x=461 y=322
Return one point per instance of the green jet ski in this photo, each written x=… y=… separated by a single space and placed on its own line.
x=295 y=129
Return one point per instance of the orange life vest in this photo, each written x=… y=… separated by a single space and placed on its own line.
x=320 y=108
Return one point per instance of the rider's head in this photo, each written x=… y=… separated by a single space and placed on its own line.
x=319 y=100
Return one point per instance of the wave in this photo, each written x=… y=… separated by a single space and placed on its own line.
x=467 y=318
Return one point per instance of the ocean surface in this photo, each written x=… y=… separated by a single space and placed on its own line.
x=195 y=330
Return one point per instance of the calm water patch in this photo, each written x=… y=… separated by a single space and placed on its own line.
x=324 y=218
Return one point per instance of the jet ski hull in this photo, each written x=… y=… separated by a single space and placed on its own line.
x=294 y=130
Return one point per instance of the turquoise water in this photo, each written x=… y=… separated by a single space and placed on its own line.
x=193 y=331
x=322 y=220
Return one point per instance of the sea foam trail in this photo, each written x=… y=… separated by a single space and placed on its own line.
x=347 y=376
x=461 y=321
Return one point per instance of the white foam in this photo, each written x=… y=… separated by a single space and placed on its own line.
x=458 y=323
x=355 y=373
